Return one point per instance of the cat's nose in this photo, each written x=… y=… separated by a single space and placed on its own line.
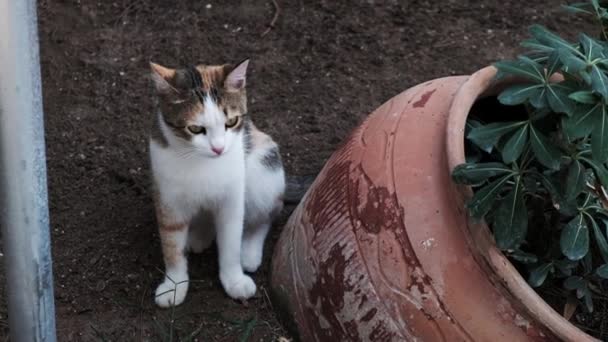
x=217 y=150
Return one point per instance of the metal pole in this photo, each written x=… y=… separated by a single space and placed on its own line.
x=24 y=215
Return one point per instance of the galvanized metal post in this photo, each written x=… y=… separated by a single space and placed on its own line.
x=23 y=193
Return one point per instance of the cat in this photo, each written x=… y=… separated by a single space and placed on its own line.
x=208 y=157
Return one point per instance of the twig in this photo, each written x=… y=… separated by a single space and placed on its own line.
x=127 y=10
x=267 y=298
x=277 y=10
x=600 y=191
x=141 y=314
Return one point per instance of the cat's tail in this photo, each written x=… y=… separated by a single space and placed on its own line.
x=296 y=188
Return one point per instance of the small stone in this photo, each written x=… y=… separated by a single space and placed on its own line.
x=101 y=285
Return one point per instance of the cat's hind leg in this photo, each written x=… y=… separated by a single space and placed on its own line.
x=253 y=246
x=256 y=231
x=199 y=240
x=201 y=233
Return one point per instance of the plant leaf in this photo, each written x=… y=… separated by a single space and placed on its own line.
x=599 y=136
x=600 y=239
x=587 y=263
x=515 y=145
x=591 y=48
x=539 y=114
x=520 y=93
x=549 y=38
x=573 y=8
x=539 y=99
x=558 y=99
x=600 y=171
x=534 y=45
x=573 y=63
x=519 y=68
x=586 y=76
x=567 y=208
x=588 y=298
x=583 y=96
x=574 y=283
x=539 y=274
x=570 y=307
x=565 y=266
x=574 y=241
x=553 y=64
x=511 y=218
x=575 y=181
x=580 y=124
x=483 y=199
x=545 y=152
x=475 y=173
x=529 y=62
x=523 y=257
x=599 y=81
x=487 y=136
x=602 y=271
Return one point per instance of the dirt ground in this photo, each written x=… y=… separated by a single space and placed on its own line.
x=323 y=68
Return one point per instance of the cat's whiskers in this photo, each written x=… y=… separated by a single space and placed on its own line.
x=189 y=153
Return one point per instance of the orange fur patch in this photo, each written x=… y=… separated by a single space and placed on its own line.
x=171 y=253
x=166 y=222
x=259 y=139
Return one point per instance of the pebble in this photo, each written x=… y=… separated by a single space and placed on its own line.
x=101 y=285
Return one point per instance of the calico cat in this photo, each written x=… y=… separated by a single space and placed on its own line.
x=208 y=158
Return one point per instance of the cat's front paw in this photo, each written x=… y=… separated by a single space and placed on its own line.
x=171 y=294
x=238 y=287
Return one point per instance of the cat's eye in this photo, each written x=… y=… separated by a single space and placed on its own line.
x=231 y=122
x=195 y=129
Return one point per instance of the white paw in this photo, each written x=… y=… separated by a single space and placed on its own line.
x=171 y=294
x=239 y=287
x=251 y=258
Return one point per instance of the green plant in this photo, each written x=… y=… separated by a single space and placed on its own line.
x=540 y=181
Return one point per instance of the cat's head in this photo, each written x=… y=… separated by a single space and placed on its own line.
x=202 y=107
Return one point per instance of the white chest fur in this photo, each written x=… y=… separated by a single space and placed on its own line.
x=187 y=182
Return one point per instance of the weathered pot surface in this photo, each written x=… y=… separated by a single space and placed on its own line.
x=380 y=248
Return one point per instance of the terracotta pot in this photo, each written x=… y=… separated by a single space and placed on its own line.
x=381 y=247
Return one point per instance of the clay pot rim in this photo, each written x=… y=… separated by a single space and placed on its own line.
x=479 y=85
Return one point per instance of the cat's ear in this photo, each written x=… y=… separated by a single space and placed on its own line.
x=236 y=79
x=164 y=78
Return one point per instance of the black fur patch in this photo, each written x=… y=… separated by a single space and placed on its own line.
x=272 y=159
x=214 y=94
x=196 y=83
